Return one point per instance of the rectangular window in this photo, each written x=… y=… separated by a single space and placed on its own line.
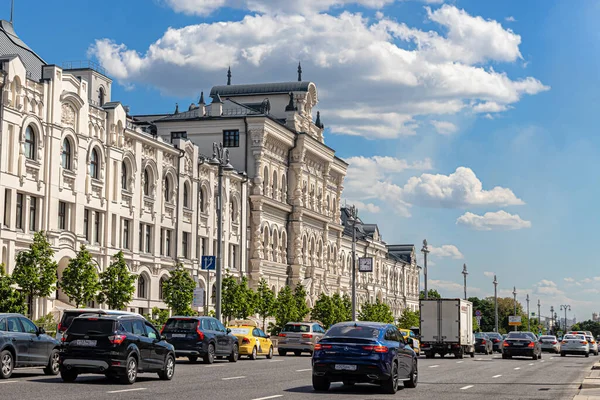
x=32 y=213
x=168 y=242
x=148 y=236
x=86 y=224
x=233 y=262
x=184 y=244
x=231 y=138
x=178 y=135
x=162 y=240
x=141 y=237
x=62 y=215
x=126 y=234
x=19 y=211
x=203 y=244
x=7 y=194
x=96 y=227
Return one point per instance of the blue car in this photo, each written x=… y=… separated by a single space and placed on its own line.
x=364 y=352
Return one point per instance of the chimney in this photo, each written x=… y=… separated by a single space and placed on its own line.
x=201 y=105
x=216 y=107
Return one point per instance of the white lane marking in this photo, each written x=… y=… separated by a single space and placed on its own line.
x=458 y=362
x=276 y=361
x=531 y=364
x=214 y=366
x=8 y=381
x=466 y=387
x=269 y=397
x=126 y=390
x=517 y=368
x=433 y=366
x=232 y=377
x=542 y=360
x=304 y=370
x=496 y=376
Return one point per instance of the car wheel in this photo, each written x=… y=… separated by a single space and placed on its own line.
x=297 y=353
x=504 y=356
x=68 y=375
x=193 y=359
x=282 y=353
x=253 y=355
x=53 y=367
x=7 y=364
x=235 y=353
x=390 y=386
x=209 y=358
x=428 y=355
x=587 y=355
x=131 y=371
x=472 y=354
x=168 y=370
x=414 y=377
x=320 y=383
x=562 y=354
x=534 y=357
x=596 y=353
x=270 y=355
x=540 y=356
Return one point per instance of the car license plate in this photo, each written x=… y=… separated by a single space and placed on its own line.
x=345 y=367
x=85 y=343
x=176 y=335
x=517 y=344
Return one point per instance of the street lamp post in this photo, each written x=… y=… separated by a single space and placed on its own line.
x=425 y=251
x=465 y=273
x=552 y=319
x=495 y=304
x=220 y=158
x=539 y=315
x=527 y=299
x=556 y=319
x=565 y=307
x=515 y=297
x=353 y=218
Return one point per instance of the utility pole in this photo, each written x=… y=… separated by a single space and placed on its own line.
x=353 y=218
x=552 y=319
x=527 y=299
x=465 y=273
x=515 y=297
x=539 y=314
x=425 y=250
x=565 y=307
x=495 y=304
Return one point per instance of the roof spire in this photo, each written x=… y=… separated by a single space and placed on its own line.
x=201 y=101
x=12 y=9
x=290 y=106
x=176 y=108
x=318 y=122
x=229 y=76
x=299 y=72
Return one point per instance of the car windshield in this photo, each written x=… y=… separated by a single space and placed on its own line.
x=91 y=326
x=548 y=338
x=187 y=324
x=519 y=335
x=573 y=337
x=355 y=331
x=296 y=328
x=69 y=316
x=480 y=335
x=494 y=335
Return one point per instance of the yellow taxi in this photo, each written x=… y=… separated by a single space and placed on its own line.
x=411 y=339
x=252 y=341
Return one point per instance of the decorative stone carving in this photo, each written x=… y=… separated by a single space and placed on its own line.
x=68 y=115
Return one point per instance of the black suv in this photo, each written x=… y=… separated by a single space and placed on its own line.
x=118 y=346
x=204 y=337
x=22 y=344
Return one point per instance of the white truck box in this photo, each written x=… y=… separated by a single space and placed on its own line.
x=447 y=326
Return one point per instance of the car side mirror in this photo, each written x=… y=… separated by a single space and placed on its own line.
x=41 y=331
x=228 y=330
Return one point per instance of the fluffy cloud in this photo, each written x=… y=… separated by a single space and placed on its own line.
x=548 y=288
x=369 y=207
x=489 y=274
x=446 y=250
x=397 y=73
x=449 y=288
x=444 y=127
x=569 y=280
x=510 y=19
x=369 y=178
x=500 y=220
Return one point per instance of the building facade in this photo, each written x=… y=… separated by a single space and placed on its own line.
x=74 y=164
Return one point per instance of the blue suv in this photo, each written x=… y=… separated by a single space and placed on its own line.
x=364 y=352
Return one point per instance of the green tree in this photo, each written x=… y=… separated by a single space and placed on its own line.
x=246 y=300
x=431 y=293
x=80 y=280
x=376 y=312
x=265 y=301
x=158 y=317
x=409 y=319
x=35 y=269
x=302 y=309
x=229 y=297
x=11 y=300
x=178 y=291
x=589 y=325
x=285 y=310
x=486 y=306
x=342 y=306
x=117 y=284
x=324 y=310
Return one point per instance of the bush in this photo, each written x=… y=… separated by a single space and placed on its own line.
x=48 y=323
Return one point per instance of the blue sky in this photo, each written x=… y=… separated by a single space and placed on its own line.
x=410 y=91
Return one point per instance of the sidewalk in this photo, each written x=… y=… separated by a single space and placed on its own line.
x=590 y=387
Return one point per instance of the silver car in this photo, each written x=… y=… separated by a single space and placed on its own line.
x=574 y=344
x=593 y=345
x=550 y=343
x=299 y=337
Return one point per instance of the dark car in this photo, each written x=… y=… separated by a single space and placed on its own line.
x=483 y=343
x=364 y=352
x=523 y=344
x=69 y=315
x=22 y=344
x=204 y=337
x=118 y=346
x=496 y=341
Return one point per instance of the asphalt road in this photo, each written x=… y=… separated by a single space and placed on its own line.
x=484 y=377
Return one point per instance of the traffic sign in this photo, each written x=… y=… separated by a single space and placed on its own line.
x=478 y=313
x=478 y=317
x=514 y=320
x=365 y=264
x=209 y=262
x=198 y=297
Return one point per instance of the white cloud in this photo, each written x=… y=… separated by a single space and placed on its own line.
x=446 y=250
x=444 y=127
x=499 y=220
x=489 y=274
x=398 y=74
x=570 y=280
x=450 y=289
x=510 y=19
x=548 y=288
x=490 y=107
x=369 y=207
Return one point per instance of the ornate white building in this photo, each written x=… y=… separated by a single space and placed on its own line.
x=74 y=164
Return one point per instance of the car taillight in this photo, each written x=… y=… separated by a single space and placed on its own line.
x=555 y=342
x=59 y=327
x=495 y=340
x=307 y=335
x=245 y=341
x=583 y=342
x=282 y=335
x=63 y=338
x=505 y=344
x=563 y=342
x=483 y=342
x=322 y=346
x=162 y=329
x=116 y=339
x=531 y=344
x=423 y=345
x=376 y=349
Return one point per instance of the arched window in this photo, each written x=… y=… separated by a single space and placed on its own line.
x=66 y=154
x=101 y=97
x=167 y=190
x=124 y=175
x=161 y=294
x=233 y=209
x=30 y=143
x=202 y=200
x=186 y=195
x=275 y=183
x=146 y=182
x=94 y=164
x=265 y=180
x=141 y=287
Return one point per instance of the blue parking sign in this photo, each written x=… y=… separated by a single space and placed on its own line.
x=209 y=262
